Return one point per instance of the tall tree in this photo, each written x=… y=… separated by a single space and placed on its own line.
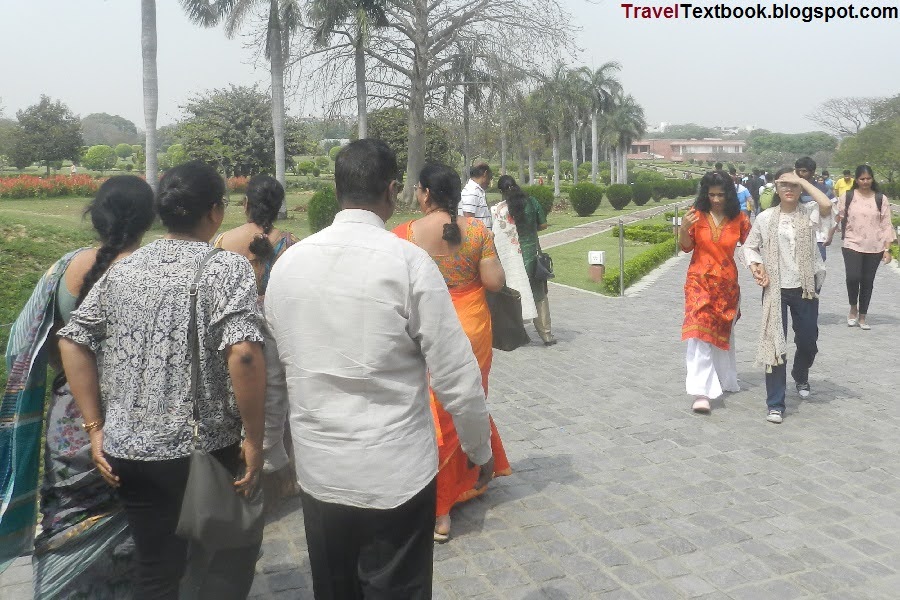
x=48 y=132
x=283 y=19
x=576 y=95
x=151 y=88
x=463 y=74
x=549 y=103
x=354 y=20
x=626 y=123
x=844 y=116
x=602 y=86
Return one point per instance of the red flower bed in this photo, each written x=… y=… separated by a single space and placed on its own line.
x=238 y=184
x=29 y=186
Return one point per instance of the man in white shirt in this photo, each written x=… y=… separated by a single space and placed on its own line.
x=362 y=319
x=474 y=202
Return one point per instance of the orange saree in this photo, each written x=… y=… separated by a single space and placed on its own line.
x=711 y=291
x=455 y=480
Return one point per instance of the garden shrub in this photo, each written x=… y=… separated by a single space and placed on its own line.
x=638 y=266
x=543 y=194
x=642 y=193
x=619 y=195
x=648 y=177
x=323 y=206
x=649 y=233
x=585 y=198
x=658 y=190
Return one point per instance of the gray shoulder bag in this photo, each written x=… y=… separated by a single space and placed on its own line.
x=213 y=514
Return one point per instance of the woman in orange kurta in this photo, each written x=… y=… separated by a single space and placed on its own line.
x=712 y=230
x=464 y=251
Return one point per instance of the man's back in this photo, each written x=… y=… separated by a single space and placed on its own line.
x=356 y=313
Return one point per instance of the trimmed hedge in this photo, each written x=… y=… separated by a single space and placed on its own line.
x=619 y=195
x=647 y=232
x=543 y=194
x=638 y=266
x=323 y=206
x=585 y=198
x=642 y=193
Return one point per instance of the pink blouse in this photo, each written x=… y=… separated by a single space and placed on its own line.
x=867 y=230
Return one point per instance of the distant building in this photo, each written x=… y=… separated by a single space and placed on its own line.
x=682 y=150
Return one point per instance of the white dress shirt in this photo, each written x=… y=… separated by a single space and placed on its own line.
x=474 y=202
x=361 y=317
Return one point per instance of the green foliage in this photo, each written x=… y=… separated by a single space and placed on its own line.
x=176 y=155
x=658 y=190
x=323 y=206
x=333 y=152
x=232 y=128
x=684 y=132
x=99 y=158
x=543 y=194
x=110 y=130
x=649 y=233
x=642 y=193
x=638 y=266
x=129 y=167
x=48 y=131
x=391 y=125
x=9 y=132
x=799 y=144
x=585 y=198
x=648 y=177
x=565 y=168
x=542 y=168
x=323 y=162
x=304 y=167
x=124 y=151
x=877 y=145
x=619 y=195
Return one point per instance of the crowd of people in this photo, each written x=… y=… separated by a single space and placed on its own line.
x=350 y=368
x=794 y=218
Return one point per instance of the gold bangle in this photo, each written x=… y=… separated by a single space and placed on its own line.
x=89 y=427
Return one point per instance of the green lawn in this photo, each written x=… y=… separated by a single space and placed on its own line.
x=570 y=260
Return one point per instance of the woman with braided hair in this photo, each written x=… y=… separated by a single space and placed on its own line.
x=463 y=249
x=262 y=244
x=85 y=548
x=785 y=261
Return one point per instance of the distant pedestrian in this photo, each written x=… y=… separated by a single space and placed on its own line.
x=711 y=230
x=363 y=322
x=782 y=253
x=743 y=194
x=844 y=183
x=474 y=200
x=867 y=232
x=73 y=170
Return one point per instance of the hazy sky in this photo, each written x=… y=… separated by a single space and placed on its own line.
x=713 y=72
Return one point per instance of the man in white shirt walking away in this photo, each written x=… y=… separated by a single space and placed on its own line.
x=474 y=201
x=362 y=318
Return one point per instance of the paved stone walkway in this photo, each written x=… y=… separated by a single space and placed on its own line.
x=579 y=232
x=619 y=491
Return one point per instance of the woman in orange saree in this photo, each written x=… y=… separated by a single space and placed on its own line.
x=712 y=230
x=464 y=252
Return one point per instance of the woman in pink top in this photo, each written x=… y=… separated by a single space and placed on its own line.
x=864 y=214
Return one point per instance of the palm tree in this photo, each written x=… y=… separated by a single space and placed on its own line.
x=463 y=73
x=355 y=20
x=603 y=87
x=283 y=19
x=552 y=113
x=625 y=123
x=151 y=88
x=577 y=99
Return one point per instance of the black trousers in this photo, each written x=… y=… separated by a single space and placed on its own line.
x=151 y=492
x=358 y=553
x=861 y=268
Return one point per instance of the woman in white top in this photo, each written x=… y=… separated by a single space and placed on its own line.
x=785 y=261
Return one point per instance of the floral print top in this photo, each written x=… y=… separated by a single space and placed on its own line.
x=135 y=320
x=461 y=267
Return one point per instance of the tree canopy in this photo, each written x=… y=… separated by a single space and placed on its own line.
x=232 y=128
x=102 y=128
x=801 y=144
x=48 y=132
x=391 y=125
x=686 y=131
x=877 y=145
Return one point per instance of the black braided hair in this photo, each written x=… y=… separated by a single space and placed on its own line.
x=446 y=192
x=264 y=198
x=121 y=212
x=514 y=197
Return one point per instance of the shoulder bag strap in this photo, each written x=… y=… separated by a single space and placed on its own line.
x=194 y=341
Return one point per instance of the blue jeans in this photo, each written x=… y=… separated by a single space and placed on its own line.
x=805 y=319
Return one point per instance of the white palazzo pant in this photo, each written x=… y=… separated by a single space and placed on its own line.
x=710 y=370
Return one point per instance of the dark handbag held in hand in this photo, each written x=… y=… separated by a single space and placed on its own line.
x=543 y=266
x=213 y=514
x=506 y=318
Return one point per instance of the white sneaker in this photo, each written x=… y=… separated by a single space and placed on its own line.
x=803 y=390
x=774 y=416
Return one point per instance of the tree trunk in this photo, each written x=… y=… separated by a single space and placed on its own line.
x=465 y=153
x=623 y=163
x=521 y=165
x=361 y=93
x=531 y=178
x=583 y=145
x=574 y=157
x=595 y=157
x=503 y=140
x=276 y=69
x=416 y=138
x=556 y=191
x=613 y=169
x=151 y=88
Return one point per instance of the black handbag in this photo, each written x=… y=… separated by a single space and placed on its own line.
x=506 y=319
x=543 y=266
x=213 y=514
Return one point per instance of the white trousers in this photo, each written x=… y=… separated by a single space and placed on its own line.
x=710 y=370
